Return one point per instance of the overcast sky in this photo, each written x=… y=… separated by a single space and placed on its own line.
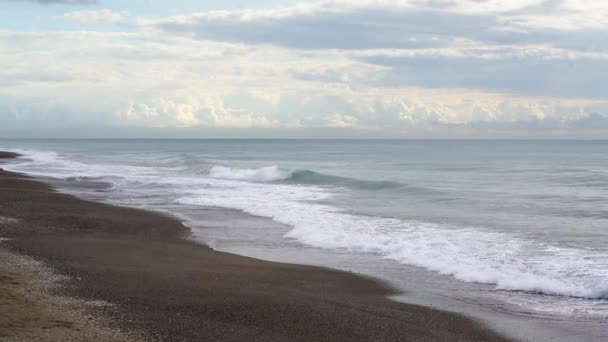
x=297 y=69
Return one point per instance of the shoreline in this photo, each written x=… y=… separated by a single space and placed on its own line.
x=173 y=289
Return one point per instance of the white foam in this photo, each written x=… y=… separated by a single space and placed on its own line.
x=52 y=164
x=265 y=174
x=467 y=254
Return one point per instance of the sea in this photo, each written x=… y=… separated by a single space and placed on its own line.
x=514 y=233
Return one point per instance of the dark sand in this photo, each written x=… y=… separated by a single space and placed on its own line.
x=171 y=289
x=7 y=155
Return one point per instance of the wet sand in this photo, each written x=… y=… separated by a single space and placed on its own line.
x=7 y=155
x=161 y=286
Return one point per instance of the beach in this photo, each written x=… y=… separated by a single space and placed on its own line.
x=156 y=284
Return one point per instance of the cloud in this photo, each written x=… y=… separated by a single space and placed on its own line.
x=531 y=75
x=325 y=27
x=56 y=2
x=399 y=24
x=210 y=111
x=548 y=47
x=342 y=121
x=356 y=69
x=94 y=16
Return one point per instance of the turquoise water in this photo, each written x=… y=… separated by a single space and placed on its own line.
x=526 y=222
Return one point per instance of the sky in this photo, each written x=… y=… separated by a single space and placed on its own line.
x=304 y=69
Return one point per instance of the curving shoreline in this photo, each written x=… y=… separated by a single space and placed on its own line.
x=172 y=289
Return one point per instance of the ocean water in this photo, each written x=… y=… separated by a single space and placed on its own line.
x=519 y=225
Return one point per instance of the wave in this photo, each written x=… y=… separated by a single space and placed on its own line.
x=314 y=178
x=277 y=174
x=61 y=166
x=471 y=254
x=265 y=174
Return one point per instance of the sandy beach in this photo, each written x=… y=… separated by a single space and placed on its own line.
x=128 y=274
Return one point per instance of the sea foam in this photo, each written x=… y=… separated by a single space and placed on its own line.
x=265 y=174
x=470 y=254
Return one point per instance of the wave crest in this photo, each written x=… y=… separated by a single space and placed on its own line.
x=277 y=174
x=265 y=174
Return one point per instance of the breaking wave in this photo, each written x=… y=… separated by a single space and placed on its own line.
x=277 y=174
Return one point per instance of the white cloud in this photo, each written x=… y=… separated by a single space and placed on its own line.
x=342 y=121
x=198 y=110
x=95 y=16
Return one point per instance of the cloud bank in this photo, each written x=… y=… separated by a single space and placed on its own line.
x=547 y=48
x=398 y=69
x=402 y=24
